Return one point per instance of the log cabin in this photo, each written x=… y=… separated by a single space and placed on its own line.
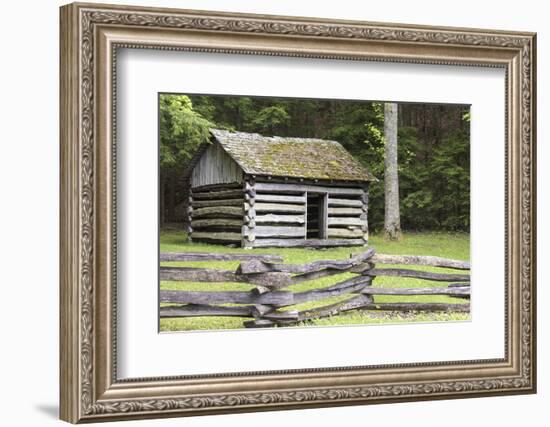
x=257 y=191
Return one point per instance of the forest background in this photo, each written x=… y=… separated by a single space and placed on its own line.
x=433 y=148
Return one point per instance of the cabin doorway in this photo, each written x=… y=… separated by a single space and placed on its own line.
x=317 y=216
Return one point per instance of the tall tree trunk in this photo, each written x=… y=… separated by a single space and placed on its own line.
x=392 y=222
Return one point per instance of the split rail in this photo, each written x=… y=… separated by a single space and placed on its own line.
x=267 y=303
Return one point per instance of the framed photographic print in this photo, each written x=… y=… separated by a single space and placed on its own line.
x=267 y=212
x=307 y=201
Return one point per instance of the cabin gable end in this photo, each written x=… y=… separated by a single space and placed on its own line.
x=215 y=166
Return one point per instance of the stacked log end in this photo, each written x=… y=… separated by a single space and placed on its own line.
x=364 y=215
x=249 y=219
x=190 y=216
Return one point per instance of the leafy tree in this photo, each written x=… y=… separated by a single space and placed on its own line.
x=435 y=176
x=182 y=131
x=271 y=119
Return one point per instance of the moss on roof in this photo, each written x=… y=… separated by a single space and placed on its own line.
x=291 y=157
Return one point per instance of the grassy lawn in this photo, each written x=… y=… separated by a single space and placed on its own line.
x=455 y=246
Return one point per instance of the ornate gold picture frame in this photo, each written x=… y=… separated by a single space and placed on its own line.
x=91 y=34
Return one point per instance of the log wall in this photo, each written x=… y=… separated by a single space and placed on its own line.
x=216 y=214
x=278 y=214
x=289 y=214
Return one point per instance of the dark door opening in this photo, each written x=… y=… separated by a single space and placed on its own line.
x=317 y=216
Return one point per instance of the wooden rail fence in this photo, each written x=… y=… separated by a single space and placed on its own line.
x=265 y=305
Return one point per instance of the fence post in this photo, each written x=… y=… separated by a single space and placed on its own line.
x=369 y=299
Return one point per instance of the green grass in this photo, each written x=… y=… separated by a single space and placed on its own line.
x=455 y=246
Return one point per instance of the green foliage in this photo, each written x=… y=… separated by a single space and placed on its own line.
x=435 y=185
x=182 y=131
x=272 y=120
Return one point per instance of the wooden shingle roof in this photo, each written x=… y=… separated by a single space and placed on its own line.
x=291 y=157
